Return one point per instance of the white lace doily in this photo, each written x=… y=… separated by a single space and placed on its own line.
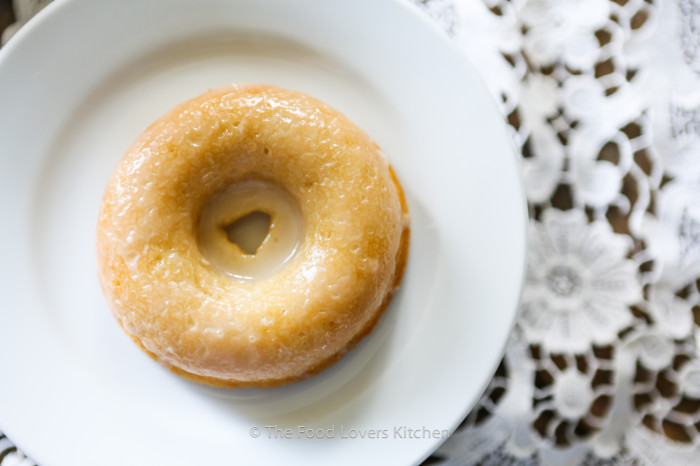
x=603 y=99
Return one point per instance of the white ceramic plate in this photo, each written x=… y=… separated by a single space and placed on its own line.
x=84 y=78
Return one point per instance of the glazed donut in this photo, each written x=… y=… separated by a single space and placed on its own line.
x=204 y=306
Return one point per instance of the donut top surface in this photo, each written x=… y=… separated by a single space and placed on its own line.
x=199 y=304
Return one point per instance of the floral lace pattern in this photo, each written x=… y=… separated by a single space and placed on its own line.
x=579 y=284
x=602 y=100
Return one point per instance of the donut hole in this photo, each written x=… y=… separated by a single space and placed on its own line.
x=249 y=231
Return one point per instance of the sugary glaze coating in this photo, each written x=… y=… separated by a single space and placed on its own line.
x=219 y=329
